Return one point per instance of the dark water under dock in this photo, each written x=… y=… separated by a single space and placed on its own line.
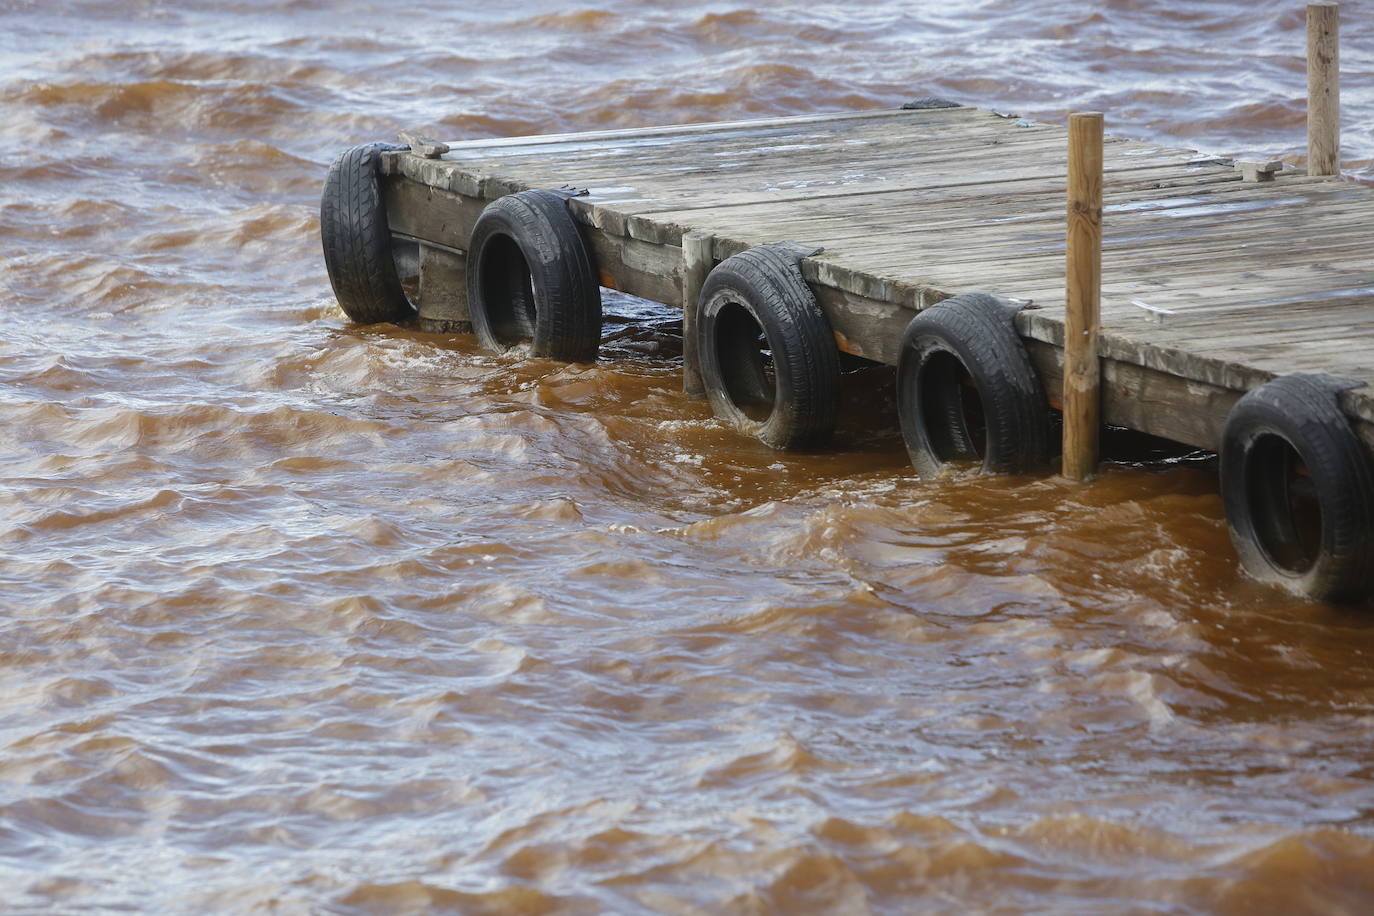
x=305 y=616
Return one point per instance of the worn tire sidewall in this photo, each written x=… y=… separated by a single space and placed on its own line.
x=727 y=285
x=562 y=276
x=1335 y=480
x=492 y=223
x=915 y=355
x=715 y=297
x=1024 y=416
x=767 y=284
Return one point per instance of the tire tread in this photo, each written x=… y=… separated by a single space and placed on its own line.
x=356 y=240
x=767 y=280
x=977 y=329
x=564 y=279
x=1302 y=409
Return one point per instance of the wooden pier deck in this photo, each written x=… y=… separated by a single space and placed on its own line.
x=1212 y=284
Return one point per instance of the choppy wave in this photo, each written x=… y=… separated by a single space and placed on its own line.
x=296 y=615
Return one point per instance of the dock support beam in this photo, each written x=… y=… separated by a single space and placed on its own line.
x=443 y=291
x=1323 y=89
x=697 y=260
x=1083 y=287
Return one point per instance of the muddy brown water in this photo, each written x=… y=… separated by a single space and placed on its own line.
x=297 y=616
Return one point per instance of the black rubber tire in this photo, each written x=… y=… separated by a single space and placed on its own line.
x=967 y=391
x=357 y=240
x=754 y=300
x=531 y=278
x=1269 y=503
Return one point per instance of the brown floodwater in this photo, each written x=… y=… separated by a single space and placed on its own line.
x=297 y=616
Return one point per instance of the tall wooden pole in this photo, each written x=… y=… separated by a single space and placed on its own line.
x=1323 y=89
x=1083 y=286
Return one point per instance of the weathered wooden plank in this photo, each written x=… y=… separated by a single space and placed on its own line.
x=773 y=168
x=638 y=268
x=883 y=164
x=824 y=138
x=663 y=194
x=884 y=221
x=758 y=162
x=621 y=137
x=1218 y=297
x=864 y=326
x=892 y=229
x=1169 y=280
x=430 y=214
x=1146 y=399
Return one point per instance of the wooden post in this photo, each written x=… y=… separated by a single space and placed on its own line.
x=697 y=251
x=443 y=291
x=1083 y=287
x=1323 y=89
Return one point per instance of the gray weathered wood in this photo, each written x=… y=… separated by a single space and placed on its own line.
x=443 y=305
x=1244 y=279
x=1259 y=170
x=1323 y=89
x=696 y=264
x=422 y=146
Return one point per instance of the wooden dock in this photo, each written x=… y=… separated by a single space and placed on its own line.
x=1216 y=278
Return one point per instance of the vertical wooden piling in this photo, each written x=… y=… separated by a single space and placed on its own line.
x=1083 y=287
x=443 y=291
x=1323 y=89
x=696 y=264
